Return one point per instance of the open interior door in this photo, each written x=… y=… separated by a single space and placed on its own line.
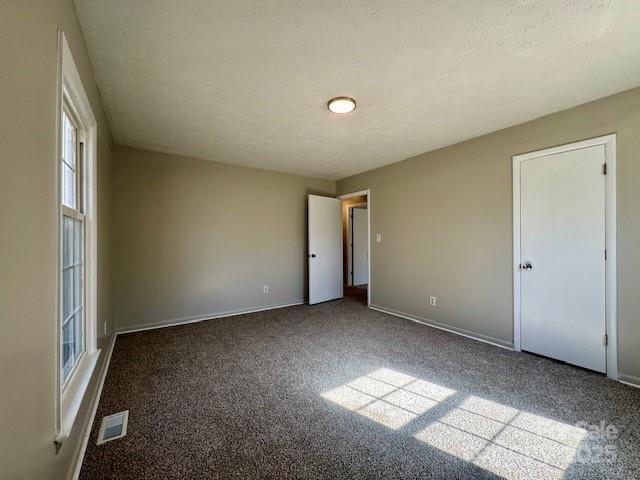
x=325 y=249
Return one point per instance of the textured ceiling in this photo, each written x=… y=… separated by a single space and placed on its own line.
x=246 y=82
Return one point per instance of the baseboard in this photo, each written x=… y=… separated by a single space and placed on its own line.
x=496 y=342
x=76 y=465
x=201 y=318
x=629 y=380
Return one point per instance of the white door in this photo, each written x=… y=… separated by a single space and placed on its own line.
x=360 y=232
x=562 y=262
x=325 y=249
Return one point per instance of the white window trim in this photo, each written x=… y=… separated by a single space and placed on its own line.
x=69 y=397
x=611 y=295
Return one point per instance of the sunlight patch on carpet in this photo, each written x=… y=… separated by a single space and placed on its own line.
x=390 y=398
x=505 y=441
x=500 y=439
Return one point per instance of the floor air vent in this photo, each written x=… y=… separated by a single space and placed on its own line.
x=113 y=427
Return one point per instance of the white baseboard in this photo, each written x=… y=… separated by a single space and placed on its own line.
x=201 y=318
x=622 y=378
x=457 y=331
x=76 y=465
x=629 y=380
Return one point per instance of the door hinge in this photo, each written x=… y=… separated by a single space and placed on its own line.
x=605 y=340
x=604 y=168
x=605 y=253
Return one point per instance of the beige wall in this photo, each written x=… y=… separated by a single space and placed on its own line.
x=28 y=236
x=194 y=238
x=446 y=221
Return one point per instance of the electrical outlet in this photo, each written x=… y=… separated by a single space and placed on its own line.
x=379 y=237
x=433 y=301
x=265 y=289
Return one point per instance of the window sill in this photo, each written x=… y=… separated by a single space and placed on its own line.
x=73 y=394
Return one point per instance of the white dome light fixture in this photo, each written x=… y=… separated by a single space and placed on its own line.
x=341 y=105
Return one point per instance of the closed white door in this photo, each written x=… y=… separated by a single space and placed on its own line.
x=360 y=229
x=325 y=249
x=562 y=262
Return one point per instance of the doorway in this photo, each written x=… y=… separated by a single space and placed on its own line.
x=564 y=254
x=358 y=254
x=330 y=254
x=356 y=244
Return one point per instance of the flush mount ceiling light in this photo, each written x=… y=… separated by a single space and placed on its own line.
x=341 y=105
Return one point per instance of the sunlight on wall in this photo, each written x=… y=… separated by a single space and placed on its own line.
x=503 y=440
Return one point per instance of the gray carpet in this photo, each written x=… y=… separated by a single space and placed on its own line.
x=340 y=391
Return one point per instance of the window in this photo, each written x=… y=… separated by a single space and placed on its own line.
x=76 y=164
x=73 y=247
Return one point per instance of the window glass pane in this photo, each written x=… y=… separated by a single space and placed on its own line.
x=79 y=327
x=72 y=342
x=67 y=241
x=68 y=348
x=69 y=153
x=67 y=293
x=68 y=186
x=78 y=242
x=77 y=287
x=72 y=293
x=65 y=135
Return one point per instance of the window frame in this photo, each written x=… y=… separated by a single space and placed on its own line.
x=73 y=100
x=70 y=111
x=78 y=214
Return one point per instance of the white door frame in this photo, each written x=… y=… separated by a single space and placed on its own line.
x=611 y=319
x=364 y=193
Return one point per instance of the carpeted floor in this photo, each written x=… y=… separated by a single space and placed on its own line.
x=339 y=391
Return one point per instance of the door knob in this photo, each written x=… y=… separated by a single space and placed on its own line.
x=526 y=266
